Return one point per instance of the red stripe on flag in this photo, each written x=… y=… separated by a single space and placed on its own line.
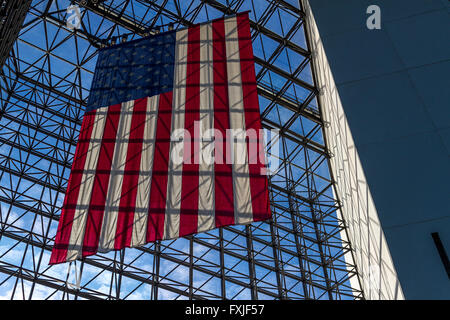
x=224 y=206
x=190 y=180
x=158 y=189
x=125 y=218
x=258 y=181
x=59 y=252
x=101 y=182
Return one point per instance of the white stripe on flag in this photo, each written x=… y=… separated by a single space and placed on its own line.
x=206 y=219
x=145 y=173
x=109 y=225
x=173 y=202
x=241 y=180
x=87 y=181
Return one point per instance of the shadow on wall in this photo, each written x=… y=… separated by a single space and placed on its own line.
x=378 y=278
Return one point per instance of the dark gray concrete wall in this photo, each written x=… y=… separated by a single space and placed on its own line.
x=394 y=85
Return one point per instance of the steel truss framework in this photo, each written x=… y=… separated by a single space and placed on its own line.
x=299 y=254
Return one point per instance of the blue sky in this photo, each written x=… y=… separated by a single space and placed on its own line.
x=61 y=45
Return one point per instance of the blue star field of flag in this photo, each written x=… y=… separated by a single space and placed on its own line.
x=123 y=70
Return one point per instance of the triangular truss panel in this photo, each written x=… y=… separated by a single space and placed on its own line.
x=44 y=84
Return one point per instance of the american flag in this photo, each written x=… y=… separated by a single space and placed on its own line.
x=153 y=100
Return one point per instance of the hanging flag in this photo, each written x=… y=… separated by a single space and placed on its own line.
x=170 y=144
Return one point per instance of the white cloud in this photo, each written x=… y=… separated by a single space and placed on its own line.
x=12 y=256
x=13 y=217
x=22 y=292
